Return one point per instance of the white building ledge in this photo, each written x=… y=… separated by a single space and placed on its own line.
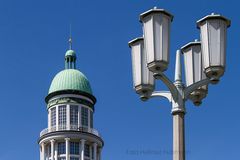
x=71 y=128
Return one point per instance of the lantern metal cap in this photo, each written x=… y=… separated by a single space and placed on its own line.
x=132 y=42
x=155 y=10
x=213 y=16
x=196 y=42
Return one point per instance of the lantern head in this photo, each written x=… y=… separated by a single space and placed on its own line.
x=142 y=78
x=194 y=70
x=213 y=30
x=156 y=28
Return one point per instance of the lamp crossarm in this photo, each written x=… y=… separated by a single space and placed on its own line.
x=170 y=85
x=163 y=94
x=188 y=90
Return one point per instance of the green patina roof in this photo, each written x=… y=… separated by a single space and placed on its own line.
x=70 y=79
x=70 y=53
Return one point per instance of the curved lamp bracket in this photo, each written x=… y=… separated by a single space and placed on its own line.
x=172 y=88
x=164 y=94
x=188 y=90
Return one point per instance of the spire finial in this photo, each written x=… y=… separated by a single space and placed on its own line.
x=70 y=37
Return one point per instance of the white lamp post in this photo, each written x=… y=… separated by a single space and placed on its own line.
x=204 y=64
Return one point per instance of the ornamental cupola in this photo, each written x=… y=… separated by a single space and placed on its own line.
x=70 y=134
x=70 y=57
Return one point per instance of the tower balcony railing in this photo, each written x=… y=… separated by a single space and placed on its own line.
x=72 y=128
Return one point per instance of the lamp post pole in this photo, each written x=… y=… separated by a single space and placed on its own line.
x=204 y=64
x=178 y=115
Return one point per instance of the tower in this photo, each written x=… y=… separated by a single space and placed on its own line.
x=70 y=104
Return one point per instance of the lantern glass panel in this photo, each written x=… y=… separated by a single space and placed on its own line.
x=149 y=39
x=197 y=63
x=205 y=46
x=188 y=61
x=136 y=64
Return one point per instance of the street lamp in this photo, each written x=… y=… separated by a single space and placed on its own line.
x=204 y=64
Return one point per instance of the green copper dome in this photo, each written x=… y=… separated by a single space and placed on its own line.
x=70 y=79
x=70 y=53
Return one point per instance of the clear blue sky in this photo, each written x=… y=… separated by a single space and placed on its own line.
x=33 y=41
